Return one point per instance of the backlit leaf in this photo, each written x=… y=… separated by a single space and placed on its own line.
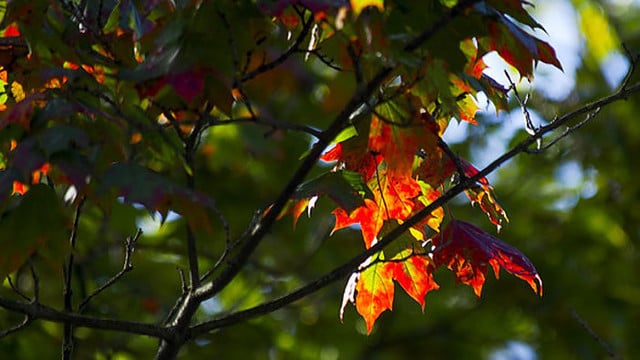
x=375 y=291
x=468 y=251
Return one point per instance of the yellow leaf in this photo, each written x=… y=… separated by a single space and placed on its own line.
x=599 y=36
x=17 y=91
x=358 y=5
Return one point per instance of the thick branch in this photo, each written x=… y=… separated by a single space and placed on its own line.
x=38 y=311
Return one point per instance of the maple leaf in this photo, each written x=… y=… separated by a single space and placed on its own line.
x=295 y=208
x=353 y=155
x=375 y=291
x=369 y=217
x=415 y=276
x=395 y=195
x=468 y=251
x=411 y=266
x=371 y=288
x=398 y=143
x=475 y=65
x=493 y=210
x=517 y=47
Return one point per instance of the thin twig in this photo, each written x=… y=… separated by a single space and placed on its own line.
x=595 y=336
x=180 y=300
x=230 y=39
x=67 y=339
x=633 y=63
x=261 y=120
x=17 y=290
x=568 y=131
x=255 y=220
x=127 y=266
x=453 y=157
x=25 y=322
x=295 y=47
x=35 y=280
x=183 y=280
x=316 y=52
x=190 y=147
x=528 y=123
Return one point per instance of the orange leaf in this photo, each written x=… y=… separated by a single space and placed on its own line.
x=415 y=276
x=353 y=155
x=368 y=216
x=488 y=205
x=398 y=145
x=394 y=195
x=19 y=188
x=374 y=292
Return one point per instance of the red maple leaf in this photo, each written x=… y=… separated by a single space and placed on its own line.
x=415 y=276
x=353 y=155
x=468 y=251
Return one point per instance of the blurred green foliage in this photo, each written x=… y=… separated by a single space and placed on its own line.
x=573 y=212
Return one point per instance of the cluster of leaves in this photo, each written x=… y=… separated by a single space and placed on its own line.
x=391 y=162
x=109 y=104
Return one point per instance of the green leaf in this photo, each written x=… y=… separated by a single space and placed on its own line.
x=62 y=137
x=37 y=223
x=345 y=188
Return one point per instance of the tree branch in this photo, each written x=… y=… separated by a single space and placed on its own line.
x=352 y=265
x=261 y=120
x=127 y=266
x=67 y=338
x=295 y=47
x=594 y=335
x=25 y=322
x=38 y=311
x=16 y=289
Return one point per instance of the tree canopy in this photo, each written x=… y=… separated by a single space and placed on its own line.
x=269 y=179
